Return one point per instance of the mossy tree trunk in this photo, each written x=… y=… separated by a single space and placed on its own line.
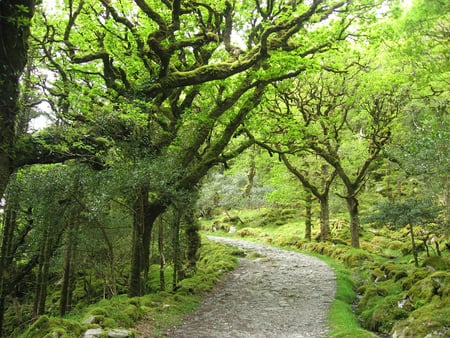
x=5 y=259
x=308 y=215
x=67 y=271
x=324 y=217
x=320 y=191
x=15 y=16
x=145 y=214
x=413 y=244
x=162 y=259
x=10 y=273
x=177 y=266
x=352 y=207
x=193 y=239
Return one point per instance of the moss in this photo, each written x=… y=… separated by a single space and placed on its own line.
x=378 y=275
x=431 y=320
x=413 y=277
x=395 y=245
x=394 y=271
x=54 y=327
x=437 y=263
x=430 y=288
x=371 y=297
x=382 y=316
x=133 y=312
x=246 y=232
x=98 y=312
x=356 y=257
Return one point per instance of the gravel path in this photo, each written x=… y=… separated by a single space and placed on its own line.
x=281 y=294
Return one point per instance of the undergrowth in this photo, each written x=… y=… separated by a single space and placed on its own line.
x=161 y=309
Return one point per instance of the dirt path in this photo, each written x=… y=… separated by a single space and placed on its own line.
x=281 y=294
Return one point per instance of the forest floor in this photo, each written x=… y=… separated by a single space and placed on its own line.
x=272 y=293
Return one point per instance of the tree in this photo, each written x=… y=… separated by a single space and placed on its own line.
x=342 y=117
x=15 y=18
x=320 y=190
x=174 y=78
x=409 y=212
x=421 y=41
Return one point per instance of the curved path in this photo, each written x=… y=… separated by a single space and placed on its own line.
x=281 y=294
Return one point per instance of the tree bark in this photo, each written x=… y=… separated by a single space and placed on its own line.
x=14 y=33
x=193 y=239
x=162 y=259
x=352 y=206
x=145 y=214
x=308 y=215
x=67 y=271
x=324 y=217
x=5 y=258
x=413 y=244
x=176 y=249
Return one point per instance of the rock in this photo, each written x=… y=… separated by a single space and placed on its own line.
x=89 y=320
x=118 y=333
x=93 y=333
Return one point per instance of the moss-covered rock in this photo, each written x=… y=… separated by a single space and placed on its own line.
x=378 y=275
x=382 y=316
x=356 y=257
x=431 y=288
x=246 y=232
x=437 y=263
x=395 y=245
x=50 y=327
x=394 y=271
x=430 y=321
x=414 y=276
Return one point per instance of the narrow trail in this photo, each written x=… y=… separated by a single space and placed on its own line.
x=281 y=294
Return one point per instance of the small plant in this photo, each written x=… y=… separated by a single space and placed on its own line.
x=407 y=213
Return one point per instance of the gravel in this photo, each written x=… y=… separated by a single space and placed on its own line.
x=279 y=294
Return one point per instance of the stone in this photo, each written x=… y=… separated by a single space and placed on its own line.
x=118 y=333
x=89 y=320
x=93 y=333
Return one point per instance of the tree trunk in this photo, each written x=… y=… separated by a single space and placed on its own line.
x=352 y=206
x=193 y=239
x=14 y=33
x=324 y=218
x=176 y=249
x=250 y=178
x=308 y=215
x=67 y=271
x=9 y=225
x=45 y=272
x=413 y=244
x=162 y=259
x=145 y=214
x=136 y=283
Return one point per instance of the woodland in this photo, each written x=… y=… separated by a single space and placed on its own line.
x=130 y=128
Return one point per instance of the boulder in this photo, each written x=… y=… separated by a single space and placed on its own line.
x=119 y=333
x=93 y=333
